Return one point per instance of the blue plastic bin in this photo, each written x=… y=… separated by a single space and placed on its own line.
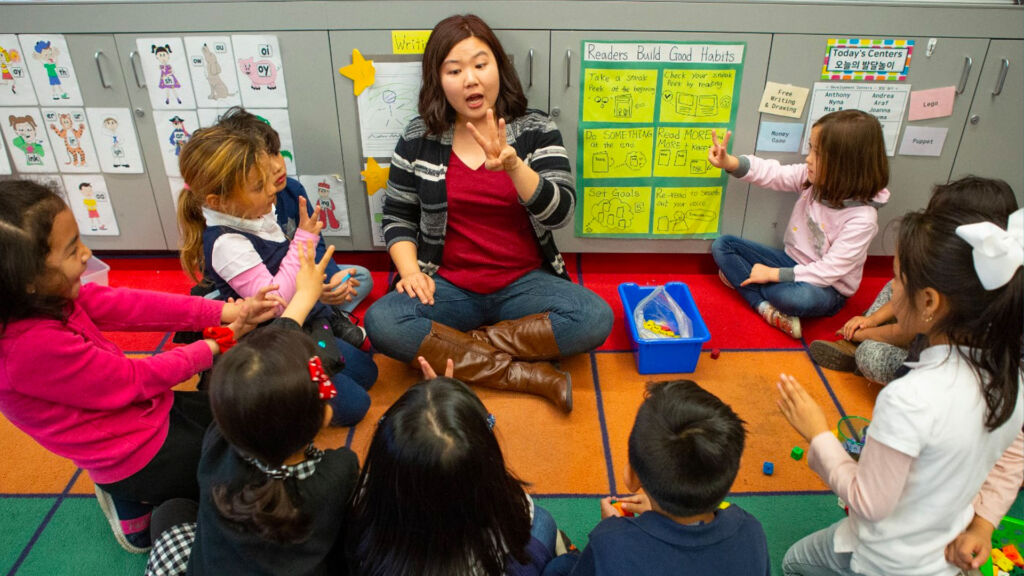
x=669 y=355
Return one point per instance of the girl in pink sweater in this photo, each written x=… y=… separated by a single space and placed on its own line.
x=74 y=391
x=840 y=187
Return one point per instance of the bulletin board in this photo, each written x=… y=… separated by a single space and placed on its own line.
x=647 y=111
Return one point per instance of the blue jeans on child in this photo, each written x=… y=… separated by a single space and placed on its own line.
x=736 y=257
x=352 y=383
x=580 y=319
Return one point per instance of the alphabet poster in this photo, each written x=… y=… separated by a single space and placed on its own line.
x=328 y=191
x=165 y=66
x=211 y=61
x=71 y=139
x=90 y=203
x=260 y=75
x=49 y=65
x=173 y=130
x=25 y=133
x=647 y=111
x=116 y=144
x=15 y=84
x=388 y=105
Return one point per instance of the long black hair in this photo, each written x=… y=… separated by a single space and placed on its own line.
x=985 y=325
x=268 y=408
x=434 y=496
x=27 y=211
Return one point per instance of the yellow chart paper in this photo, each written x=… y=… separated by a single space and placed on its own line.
x=697 y=95
x=619 y=95
x=613 y=210
x=617 y=152
x=683 y=153
x=686 y=210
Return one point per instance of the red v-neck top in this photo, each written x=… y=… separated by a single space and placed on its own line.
x=489 y=242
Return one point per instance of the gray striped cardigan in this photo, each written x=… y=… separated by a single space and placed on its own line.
x=416 y=206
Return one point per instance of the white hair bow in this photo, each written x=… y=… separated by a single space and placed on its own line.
x=997 y=252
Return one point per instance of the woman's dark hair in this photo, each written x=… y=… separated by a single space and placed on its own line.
x=985 y=325
x=434 y=497
x=27 y=211
x=989 y=196
x=685 y=447
x=434 y=108
x=268 y=408
x=852 y=162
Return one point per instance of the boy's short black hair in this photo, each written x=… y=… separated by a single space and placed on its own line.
x=685 y=447
x=239 y=119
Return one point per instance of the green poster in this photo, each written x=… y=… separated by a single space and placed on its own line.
x=647 y=111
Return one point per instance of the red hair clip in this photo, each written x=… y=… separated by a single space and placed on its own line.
x=222 y=335
x=317 y=374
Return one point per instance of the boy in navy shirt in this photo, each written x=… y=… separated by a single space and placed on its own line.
x=684 y=453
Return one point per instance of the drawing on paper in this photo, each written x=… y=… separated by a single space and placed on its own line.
x=179 y=135
x=72 y=137
x=168 y=81
x=28 y=140
x=89 y=200
x=47 y=54
x=260 y=72
x=218 y=89
x=8 y=56
x=117 y=151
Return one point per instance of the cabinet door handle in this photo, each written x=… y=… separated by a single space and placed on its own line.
x=530 y=85
x=99 y=69
x=1003 y=69
x=135 y=70
x=568 y=68
x=964 y=75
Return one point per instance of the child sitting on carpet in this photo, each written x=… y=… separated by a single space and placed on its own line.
x=874 y=344
x=684 y=453
x=840 y=187
x=230 y=234
x=949 y=428
x=75 y=392
x=347 y=285
x=270 y=502
x=435 y=498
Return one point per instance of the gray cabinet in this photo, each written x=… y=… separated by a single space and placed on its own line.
x=565 y=94
x=103 y=83
x=993 y=138
x=796 y=59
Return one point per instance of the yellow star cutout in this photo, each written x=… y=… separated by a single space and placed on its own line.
x=375 y=177
x=361 y=71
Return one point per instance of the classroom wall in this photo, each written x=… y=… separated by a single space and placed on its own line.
x=977 y=50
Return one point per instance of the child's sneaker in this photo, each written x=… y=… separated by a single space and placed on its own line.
x=788 y=324
x=343 y=325
x=840 y=355
x=132 y=534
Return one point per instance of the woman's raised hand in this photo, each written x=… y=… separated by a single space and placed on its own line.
x=718 y=153
x=309 y=222
x=499 y=156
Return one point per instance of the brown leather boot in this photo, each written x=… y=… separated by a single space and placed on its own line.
x=479 y=363
x=528 y=338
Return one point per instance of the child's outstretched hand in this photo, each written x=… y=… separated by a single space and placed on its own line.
x=340 y=288
x=309 y=282
x=262 y=307
x=803 y=413
x=428 y=371
x=718 y=153
x=309 y=222
x=500 y=157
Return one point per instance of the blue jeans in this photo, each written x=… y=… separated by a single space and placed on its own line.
x=736 y=257
x=352 y=383
x=365 y=286
x=580 y=319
